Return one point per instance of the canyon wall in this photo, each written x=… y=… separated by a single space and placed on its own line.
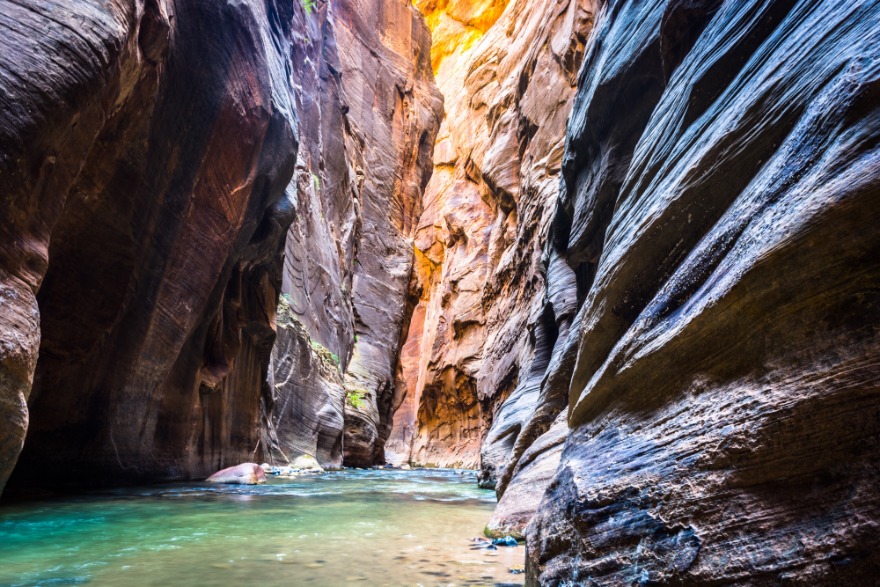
x=482 y=329
x=369 y=114
x=720 y=214
x=152 y=168
x=145 y=148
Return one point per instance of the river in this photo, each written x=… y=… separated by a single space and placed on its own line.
x=372 y=528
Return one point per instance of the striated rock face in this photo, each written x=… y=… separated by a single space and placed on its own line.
x=720 y=214
x=303 y=407
x=482 y=330
x=145 y=147
x=369 y=115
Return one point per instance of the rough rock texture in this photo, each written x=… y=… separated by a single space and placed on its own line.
x=721 y=213
x=369 y=113
x=303 y=412
x=482 y=331
x=529 y=477
x=145 y=147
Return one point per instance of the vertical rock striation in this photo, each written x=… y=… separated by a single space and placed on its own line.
x=370 y=112
x=720 y=210
x=484 y=327
x=145 y=147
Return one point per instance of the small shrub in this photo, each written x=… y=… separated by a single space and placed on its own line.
x=324 y=353
x=308 y=5
x=284 y=315
x=356 y=398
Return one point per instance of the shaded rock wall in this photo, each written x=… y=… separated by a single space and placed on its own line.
x=482 y=332
x=369 y=114
x=145 y=148
x=720 y=210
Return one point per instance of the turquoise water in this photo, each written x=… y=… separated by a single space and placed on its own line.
x=370 y=528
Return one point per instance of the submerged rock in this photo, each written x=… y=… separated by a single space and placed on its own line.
x=303 y=465
x=244 y=474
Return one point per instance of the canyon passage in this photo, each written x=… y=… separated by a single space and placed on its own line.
x=597 y=278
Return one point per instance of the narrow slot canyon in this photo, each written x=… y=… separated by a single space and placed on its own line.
x=440 y=292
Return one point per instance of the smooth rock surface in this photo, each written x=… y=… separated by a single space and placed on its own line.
x=244 y=474
x=145 y=147
x=721 y=213
x=532 y=474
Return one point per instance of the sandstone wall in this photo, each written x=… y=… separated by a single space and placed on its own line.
x=481 y=331
x=369 y=114
x=720 y=215
x=145 y=147
x=145 y=168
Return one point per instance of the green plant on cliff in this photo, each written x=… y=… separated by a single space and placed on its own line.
x=308 y=5
x=284 y=315
x=324 y=353
x=356 y=398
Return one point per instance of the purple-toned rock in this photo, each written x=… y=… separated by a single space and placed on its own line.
x=370 y=111
x=720 y=211
x=244 y=474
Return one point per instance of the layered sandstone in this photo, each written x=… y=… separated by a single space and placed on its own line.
x=720 y=213
x=482 y=329
x=156 y=153
x=369 y=114
x=145 y=148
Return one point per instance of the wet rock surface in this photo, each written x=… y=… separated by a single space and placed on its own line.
x=673 y=359
x=145 y=147
x=720 y=215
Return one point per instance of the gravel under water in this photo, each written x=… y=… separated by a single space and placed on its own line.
x=373 y=527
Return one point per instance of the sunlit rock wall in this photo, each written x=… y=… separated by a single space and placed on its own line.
x=145 y=147
x=369 y=114
x=720 y=215
x=484 y=328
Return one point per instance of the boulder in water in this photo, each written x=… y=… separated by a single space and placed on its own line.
x=244 y=474
x=307 y=463
x=506 y=541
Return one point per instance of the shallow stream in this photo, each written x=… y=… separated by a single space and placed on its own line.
x=371 y=528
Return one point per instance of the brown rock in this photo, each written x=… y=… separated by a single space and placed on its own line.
x=144 y=152
x=244 y=474
x=304 y=406
x=369 y=113
x=394 y=109
x=484 y=329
